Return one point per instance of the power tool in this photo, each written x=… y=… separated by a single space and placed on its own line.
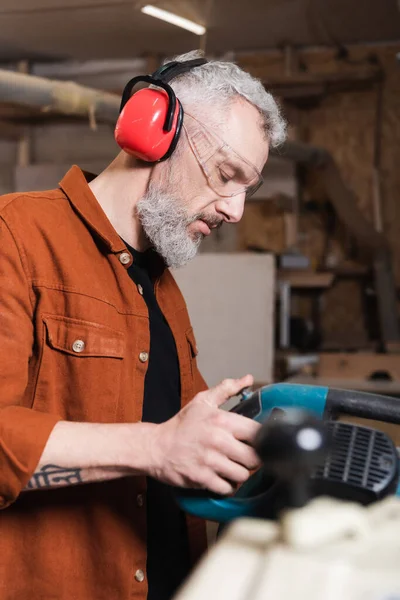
x=302 y=446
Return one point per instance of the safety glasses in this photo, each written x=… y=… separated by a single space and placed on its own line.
x=227 y=173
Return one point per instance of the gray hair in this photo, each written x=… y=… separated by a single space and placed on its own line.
x=218 y=83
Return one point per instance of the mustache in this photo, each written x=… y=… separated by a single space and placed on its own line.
x=213 y=221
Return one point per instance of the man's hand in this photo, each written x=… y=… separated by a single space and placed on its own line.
x=204 y=446
x=201 y=447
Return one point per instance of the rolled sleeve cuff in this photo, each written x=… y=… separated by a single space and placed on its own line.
x=23 y=436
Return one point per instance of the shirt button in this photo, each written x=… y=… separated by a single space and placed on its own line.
x=124 y=258
x=140 y=500
x=140 y=289
x=78 y=346
x=139 y=575
x=143 y=356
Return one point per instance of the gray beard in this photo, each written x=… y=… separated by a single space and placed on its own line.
x=165 y=222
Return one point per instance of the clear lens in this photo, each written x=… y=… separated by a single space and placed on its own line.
x=227 y=172
x=230 y=175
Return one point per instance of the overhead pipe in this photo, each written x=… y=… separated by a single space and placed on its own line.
x=60 y=97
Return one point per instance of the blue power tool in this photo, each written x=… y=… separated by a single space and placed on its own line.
x=362 y=465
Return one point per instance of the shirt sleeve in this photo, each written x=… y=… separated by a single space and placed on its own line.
x=23 y=431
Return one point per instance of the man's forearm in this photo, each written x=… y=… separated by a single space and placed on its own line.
x=78 y=453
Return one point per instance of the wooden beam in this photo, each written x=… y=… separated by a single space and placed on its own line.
x=298 y=84
x=334 y=81
x=57 y=97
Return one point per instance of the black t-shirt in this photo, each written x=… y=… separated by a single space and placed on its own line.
x=167 y=541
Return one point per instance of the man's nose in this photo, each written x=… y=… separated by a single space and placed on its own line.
x=231 y=209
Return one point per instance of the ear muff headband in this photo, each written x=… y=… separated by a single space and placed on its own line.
x=179 y=123
x=174 y=69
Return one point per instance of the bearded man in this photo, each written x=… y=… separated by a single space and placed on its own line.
x=103 y=411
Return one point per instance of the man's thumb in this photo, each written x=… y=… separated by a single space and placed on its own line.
x=228 y=388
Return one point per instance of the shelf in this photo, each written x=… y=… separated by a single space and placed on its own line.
x=306 y=279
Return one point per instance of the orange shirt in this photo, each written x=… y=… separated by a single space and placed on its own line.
x=63 y=274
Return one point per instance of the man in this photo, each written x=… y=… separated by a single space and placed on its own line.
x=103 y=409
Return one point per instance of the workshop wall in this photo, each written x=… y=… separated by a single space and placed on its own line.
x=343 y=123
x=53 y=148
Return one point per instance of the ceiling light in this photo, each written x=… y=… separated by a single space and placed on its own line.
x=169 y=17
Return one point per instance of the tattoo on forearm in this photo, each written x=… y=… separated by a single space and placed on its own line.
x=52 y=475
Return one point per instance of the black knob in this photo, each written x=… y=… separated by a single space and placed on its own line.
x=291 y=444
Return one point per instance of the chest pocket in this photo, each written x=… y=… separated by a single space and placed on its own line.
x=80 y=369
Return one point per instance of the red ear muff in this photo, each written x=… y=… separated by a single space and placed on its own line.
x=141 y=126
x=150 y=121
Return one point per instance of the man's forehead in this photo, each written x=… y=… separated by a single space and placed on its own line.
x=242 y=131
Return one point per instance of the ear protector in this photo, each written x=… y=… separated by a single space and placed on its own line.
x=150 y=120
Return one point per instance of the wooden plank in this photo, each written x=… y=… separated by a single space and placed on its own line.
x=364 y=74
x=311 y=85
x=307 y=279
x=358 y=365
x=290 y=84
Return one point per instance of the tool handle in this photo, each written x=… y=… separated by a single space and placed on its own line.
x=362 y=404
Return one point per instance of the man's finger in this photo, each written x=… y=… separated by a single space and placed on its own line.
x=218 y=485
x=241 y=453
x=242 y=428
x=228 y=388
x=227 y=469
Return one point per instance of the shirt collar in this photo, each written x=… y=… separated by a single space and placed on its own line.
x=75 y=185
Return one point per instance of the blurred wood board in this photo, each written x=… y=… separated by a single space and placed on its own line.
x=307 y=279
x=359 y=365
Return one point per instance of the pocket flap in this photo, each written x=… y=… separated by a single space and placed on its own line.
x=84 y=338
x=192 y=341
